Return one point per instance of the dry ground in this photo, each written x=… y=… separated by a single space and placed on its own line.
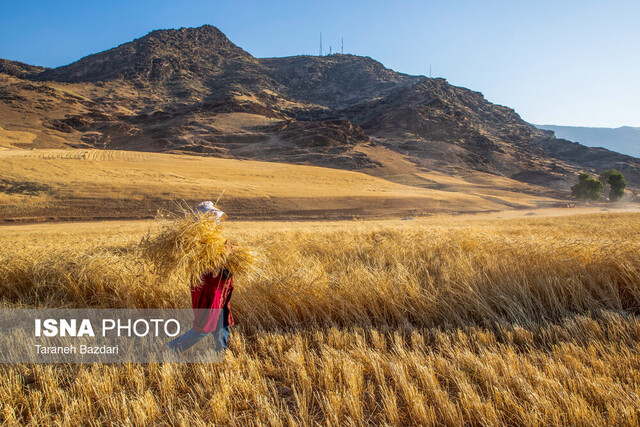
x=92 y=184
x=438 y=321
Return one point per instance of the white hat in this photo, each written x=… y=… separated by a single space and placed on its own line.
x=208 y=208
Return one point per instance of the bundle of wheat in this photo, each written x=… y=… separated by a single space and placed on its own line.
x=245 y=262
x=193 y=244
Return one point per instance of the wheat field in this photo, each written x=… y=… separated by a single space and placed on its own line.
x=49 y=184
x=528 y=321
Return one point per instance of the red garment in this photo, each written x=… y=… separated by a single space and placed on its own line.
x=211 y=301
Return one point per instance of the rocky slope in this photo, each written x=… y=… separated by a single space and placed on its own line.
x=192 y=90
x=19 y=69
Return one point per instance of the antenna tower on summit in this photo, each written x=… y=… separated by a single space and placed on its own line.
x=342 y=46
x=320 y=44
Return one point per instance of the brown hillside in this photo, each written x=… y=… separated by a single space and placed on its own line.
x=193 y=91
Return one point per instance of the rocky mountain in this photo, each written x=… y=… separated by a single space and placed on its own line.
x=19 y=69
x=336 y=80
x=625 y=139
x=162 y=55
x=193 y=90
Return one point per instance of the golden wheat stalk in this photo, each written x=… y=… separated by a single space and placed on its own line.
x=194 y=244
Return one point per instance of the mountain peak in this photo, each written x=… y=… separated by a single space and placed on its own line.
x=206 y=36
x=160 y=55
x=332 y=80
x=206 y=28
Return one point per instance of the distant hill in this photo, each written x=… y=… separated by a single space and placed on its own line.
x=625 y=139
x=193 y=91
x=19 y=69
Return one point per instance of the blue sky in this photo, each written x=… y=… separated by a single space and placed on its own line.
x=560 y=62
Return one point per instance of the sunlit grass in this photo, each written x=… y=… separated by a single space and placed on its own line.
x=515 y=322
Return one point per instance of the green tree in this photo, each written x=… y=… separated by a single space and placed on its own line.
x=616 y=182
x=587 y=188
x=604 y=175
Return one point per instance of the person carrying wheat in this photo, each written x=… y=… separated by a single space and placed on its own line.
x=210 y=298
